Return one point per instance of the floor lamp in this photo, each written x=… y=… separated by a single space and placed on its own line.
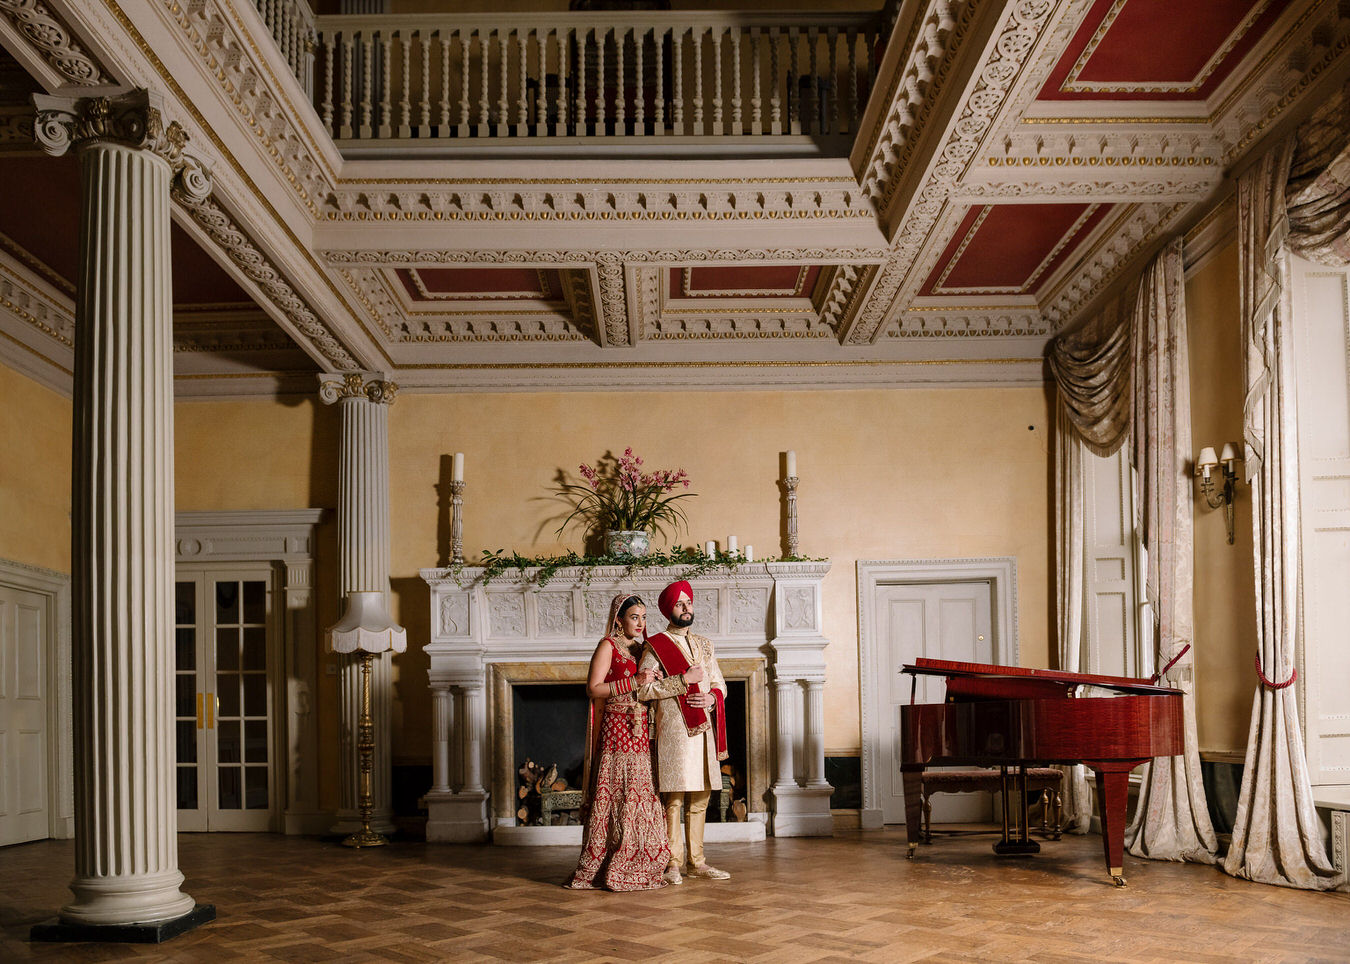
x=367 y=630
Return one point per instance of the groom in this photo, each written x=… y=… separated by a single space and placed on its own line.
x=690 y=728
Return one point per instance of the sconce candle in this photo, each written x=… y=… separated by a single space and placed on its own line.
x=791 y=464
x=457 y=474
x=1207 y=461
x=1205 y=464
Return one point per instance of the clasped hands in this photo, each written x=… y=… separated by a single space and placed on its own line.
x=694 y=674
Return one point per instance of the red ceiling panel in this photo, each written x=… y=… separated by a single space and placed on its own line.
x=1010 y=248
x=744 y=281
x=1158 y=49
x=481 y=283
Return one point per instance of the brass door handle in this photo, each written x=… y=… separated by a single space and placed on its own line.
x=199 y=711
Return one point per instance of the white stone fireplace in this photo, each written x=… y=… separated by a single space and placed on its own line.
x=764 y=619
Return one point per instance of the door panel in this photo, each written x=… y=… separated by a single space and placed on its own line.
x=935 y=621
x=24 y=628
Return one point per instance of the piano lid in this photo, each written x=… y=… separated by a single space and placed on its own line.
x=953 y=669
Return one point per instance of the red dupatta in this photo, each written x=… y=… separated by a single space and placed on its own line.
x=674 y=662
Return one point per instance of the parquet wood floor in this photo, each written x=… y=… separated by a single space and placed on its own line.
x=853 y=897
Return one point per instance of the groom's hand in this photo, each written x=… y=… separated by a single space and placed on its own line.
x=701 y=701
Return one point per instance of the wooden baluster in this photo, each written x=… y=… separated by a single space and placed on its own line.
x=503 y=125
x=327 y=45
x=367 y=68
x=581 y=130
x=464 y=37
x=854 y=108
x=564 y=40
x=776 y=100
x=736 y=113
x=869 y=64
x=348 y=91
x=523 y=93
x=405 y=100
x=483 y=129
x=659 y=97
x=386 y=86
x=541 y=95
x=601 y=34
x=812 y=124
x=697 y=37
x=443 y=128
x=424 y=49
x=794 y=85
x=833 y=89
x=717 y=79
x=639 y=84
x=756 y=101
x=677 y=91
x=620 y=113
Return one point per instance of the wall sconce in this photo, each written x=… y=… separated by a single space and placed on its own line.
x=1205 y=470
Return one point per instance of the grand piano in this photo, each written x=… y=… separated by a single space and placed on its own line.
x=1013 y=718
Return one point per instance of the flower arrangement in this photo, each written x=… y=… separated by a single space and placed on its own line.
x=619 y=496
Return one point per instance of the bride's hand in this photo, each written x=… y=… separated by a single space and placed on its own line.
x=694 y=674
x=647 y=676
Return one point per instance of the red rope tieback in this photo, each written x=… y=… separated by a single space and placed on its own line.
x=1170 y=663
x=1293 y=675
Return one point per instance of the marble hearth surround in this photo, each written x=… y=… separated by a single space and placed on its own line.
x=764 y=618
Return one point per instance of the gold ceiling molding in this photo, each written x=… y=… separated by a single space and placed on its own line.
x=1106 y=161
x=1199 y=120
x=653 y=365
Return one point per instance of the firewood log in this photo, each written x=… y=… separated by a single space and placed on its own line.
x=559 y=786
x=523 y=814
x=523 y=792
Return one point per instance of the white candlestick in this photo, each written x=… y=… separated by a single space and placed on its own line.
x=731 y=544
x=710 y=549
x=749 y=553
x=457 y=475
x=791 y=463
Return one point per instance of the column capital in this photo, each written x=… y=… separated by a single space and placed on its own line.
x=130 y=116
x=372 y=386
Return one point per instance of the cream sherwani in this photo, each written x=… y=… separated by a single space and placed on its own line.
x=684 y=762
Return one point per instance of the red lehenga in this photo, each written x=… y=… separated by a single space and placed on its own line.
x=624 y=846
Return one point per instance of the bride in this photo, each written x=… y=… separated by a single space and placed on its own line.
x=624 y=846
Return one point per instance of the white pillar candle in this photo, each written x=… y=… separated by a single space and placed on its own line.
x=749 y=553
x=710 y=549
x=731 y=544
x=791 y=464
x=458 y=474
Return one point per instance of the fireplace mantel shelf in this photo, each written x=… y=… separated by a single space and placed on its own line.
x=761 y=614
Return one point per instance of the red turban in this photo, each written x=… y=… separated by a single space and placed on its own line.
x=671 y=595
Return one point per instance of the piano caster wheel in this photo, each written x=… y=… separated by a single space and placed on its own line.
x=1118 y=880
x=912 y=849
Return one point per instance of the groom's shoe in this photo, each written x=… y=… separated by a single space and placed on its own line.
x=708 y=872
x=672 y=875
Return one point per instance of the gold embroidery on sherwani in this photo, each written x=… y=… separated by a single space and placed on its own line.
x=684 y=762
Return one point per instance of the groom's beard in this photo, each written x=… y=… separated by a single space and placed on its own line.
x=682 y=621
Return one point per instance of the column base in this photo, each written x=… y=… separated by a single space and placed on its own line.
x=349 y=822
x=56 y=930
x=802 y=811
x=457 y=817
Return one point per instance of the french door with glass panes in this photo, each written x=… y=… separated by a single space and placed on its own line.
x=224 y=675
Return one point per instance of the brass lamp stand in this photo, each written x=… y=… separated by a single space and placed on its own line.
x=365 y=745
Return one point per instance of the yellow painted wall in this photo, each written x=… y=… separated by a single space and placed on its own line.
x=1225 y=615
x=34 y=473
x=885 y=475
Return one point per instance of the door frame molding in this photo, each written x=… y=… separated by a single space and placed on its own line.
x=873 y=574
x=60 y=743
x=287 y=539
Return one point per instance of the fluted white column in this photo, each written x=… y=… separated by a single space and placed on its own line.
x=442 y=723
x=474 y=729
x=363 y=566
x=122 y=560
x=785 y=708
x=815 y=733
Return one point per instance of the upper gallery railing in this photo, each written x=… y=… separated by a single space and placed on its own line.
x=292 y=25
x=474 y=78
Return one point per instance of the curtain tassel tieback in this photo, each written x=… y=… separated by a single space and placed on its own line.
x=1172 y=662
x=1293 y=675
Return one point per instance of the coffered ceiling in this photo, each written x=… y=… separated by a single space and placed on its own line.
x=1015 y=161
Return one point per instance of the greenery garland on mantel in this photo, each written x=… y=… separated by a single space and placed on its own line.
x=541 y=569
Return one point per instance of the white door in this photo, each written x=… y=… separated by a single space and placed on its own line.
x=224 y=699
x=24 y=626
x=937 y=621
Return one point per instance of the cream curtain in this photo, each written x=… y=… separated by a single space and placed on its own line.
x=1276 y=836
x=1171 y=821
x=1071 y=613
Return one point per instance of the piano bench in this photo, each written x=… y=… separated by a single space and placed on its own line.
x=1047 y=780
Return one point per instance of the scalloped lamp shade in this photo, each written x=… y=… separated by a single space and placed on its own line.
x=366 y=625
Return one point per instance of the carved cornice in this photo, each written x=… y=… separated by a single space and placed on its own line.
x=371 y=386
x=25 y=297
x=613 y=306
x=132 y=118
x=576 y=257
x=223 y=230
x=970 y=324
x=43 y=29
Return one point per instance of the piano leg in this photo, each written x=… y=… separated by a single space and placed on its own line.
x=912 y=780
x=1113 y=783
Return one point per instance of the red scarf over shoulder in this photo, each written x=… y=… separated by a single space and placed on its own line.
x=674 y=662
